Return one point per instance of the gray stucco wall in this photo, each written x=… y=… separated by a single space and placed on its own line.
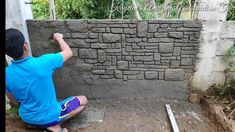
x=115 y=58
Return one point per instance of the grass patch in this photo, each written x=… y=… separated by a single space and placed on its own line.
x=12 y=113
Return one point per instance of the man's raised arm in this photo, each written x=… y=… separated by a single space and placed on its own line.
x=66 y=50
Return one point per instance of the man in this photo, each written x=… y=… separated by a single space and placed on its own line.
x=30 y=86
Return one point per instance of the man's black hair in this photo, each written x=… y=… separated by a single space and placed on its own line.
x=14 y=43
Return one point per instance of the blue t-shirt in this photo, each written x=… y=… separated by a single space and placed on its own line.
x=31 y=83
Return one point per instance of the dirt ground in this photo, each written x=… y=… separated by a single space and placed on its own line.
x=130 y=115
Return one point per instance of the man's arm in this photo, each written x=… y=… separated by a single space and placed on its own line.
x=12 y=99
x=66 y=50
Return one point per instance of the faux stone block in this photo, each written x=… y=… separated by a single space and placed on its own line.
x=80 y=35
x=116 y=30
x=131 y=77
x=83 y=67
x=77 y=43
x=92 y=40
x=174 y=74
x=93 y=35
x=142 y=28
x=143 y=58
x=175 y=25
x=118 y=74
x=111 y=37
x=129 y=31
x=165 y=47
x=160 y=35
x=133 y=40
x=164 y=25
x=157 y=57
x=101 y=56
x=88 y=53
x=161 y=75
x=75 y=51
x=97 y=72
x=135 y=46
x=98 y=30
x=129 y=58
x=99 y=46
x=192 y=24
x=106 y=76
x=176 y=51
x=122 y=65
x=150 y=75
x=163 y=40
x=186 y=61
x=128 y=48
x=90 y=61
x=140 y=76
x=153 y=27
x=175 y=64
x=77 y=26
x=176 y=34
x=130 y=72
x=113 y=50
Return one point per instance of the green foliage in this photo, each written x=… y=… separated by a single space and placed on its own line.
x=40 y=9
x=230 y=58
x=77 y=9
x=146 y=11
x=100 y=9
x=13 y=112
x=231 y=12
x=230 y=71
x=67 y=9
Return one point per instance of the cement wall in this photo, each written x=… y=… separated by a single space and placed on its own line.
x=212 y=10
x=216 y=38
x=121 y=57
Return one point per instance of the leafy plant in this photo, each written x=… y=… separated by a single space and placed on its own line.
x=230 y=58
x=40 y=9
x=231 y=12
x=100 y=9
x=13 y=112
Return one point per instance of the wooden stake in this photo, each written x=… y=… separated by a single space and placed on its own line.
x=52 y=9
x=137 y=14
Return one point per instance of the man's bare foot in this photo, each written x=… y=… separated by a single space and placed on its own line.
x=64 y=130
x=57 y=128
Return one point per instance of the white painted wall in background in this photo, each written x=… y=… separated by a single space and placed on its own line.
x=217 y=36
x=16 y=14
x=213 y=9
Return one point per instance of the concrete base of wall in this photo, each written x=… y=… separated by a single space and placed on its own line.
x=95 y=88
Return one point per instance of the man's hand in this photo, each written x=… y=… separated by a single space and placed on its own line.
x=66 y=50
x=58 y=37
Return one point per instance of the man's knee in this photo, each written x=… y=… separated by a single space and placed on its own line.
x=83 y=100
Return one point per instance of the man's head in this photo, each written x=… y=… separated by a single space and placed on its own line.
x=16 y=47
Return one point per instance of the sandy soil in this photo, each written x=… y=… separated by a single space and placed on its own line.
x=132 y=115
